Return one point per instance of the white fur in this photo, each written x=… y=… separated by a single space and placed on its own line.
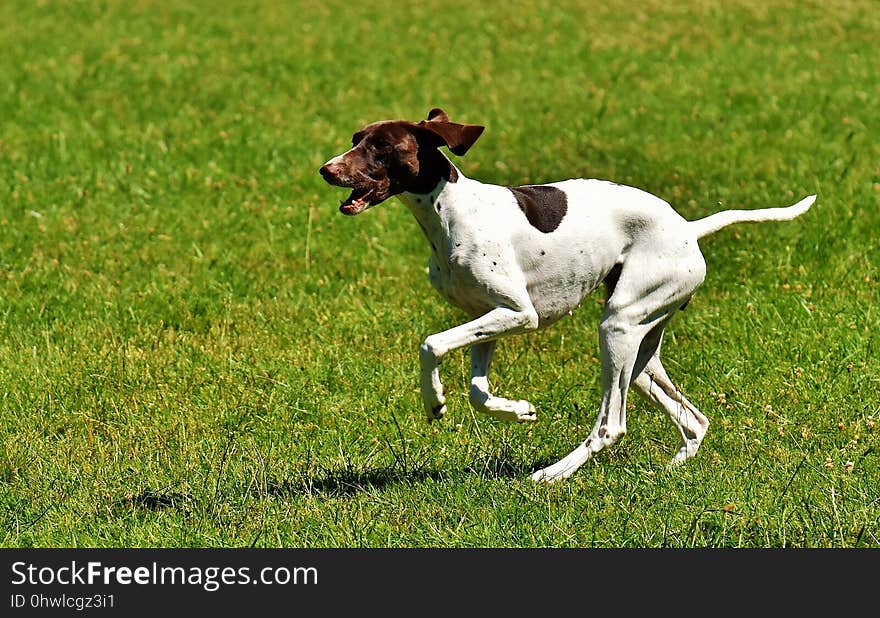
x=512 y=278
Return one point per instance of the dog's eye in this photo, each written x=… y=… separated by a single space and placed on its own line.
x=356 y=139
x=381 y=145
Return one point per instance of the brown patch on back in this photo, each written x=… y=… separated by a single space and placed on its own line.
x=543 y=205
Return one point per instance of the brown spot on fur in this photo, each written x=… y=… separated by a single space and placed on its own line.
x=433 y=167
x=543 y=205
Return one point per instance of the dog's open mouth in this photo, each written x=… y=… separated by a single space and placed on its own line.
x=358 y=201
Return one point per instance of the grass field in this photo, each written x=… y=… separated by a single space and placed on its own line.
x=197 y=349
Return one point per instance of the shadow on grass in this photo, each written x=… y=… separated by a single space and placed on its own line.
x=152 y=500
x=348 y=482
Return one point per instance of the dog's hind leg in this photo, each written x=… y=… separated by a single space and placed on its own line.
x=640 y=305
x=654 y=384
x=484 y=401
x=619 y=345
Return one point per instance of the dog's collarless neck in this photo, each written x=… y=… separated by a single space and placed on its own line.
x=434 y=168
x=432 y=208
x=431 y=201
x=430 y=197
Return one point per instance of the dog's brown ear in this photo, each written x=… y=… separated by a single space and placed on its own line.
x=457 y=137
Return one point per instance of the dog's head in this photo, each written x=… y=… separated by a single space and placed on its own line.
x=393 y=156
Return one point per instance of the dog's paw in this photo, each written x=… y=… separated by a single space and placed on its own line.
x=566 y=466
x=506 y=410
x=687 y=450
x=435 y=405
x=525 y=412
x=546 y=476
x=538 y=477
x=553 y=474
x=436 y=412
x=434 y=400
x=522 y=412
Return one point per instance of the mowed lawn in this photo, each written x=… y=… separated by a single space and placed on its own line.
x=197 y=349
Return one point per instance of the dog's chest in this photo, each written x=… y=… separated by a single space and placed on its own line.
x=465 y=272
x=486 y=255
x=472 y=261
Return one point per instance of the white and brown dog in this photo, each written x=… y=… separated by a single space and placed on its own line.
x=519 y=258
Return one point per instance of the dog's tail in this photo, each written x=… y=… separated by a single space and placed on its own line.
x=713 y=223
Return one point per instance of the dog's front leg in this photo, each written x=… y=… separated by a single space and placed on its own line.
x=483 y=400
x=499 y=322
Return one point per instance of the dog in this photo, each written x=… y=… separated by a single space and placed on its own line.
x=517 y=259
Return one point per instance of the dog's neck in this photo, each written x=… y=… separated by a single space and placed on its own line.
x=426 y=202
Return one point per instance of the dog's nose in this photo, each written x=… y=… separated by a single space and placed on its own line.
x=329 y=171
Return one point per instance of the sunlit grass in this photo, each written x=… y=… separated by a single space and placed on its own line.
x=198 y=350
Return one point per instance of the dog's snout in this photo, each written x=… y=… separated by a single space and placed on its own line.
x=329 y=171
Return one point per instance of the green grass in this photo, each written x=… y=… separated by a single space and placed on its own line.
x=197 y=349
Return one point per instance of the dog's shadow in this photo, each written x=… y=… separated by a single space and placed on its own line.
x=348 y=482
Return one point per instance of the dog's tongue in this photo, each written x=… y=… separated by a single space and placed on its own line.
x=355 y=203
